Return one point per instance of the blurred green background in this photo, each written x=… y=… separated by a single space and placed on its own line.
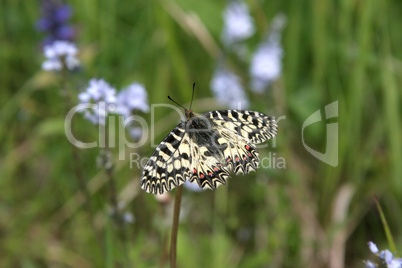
x=308 y=214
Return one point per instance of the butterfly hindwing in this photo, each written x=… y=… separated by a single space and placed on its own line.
x=241 y=155
x=207 y=169
x=168 y=166
x=223 y=151
x=255 y=126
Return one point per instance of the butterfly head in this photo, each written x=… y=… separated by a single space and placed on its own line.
x=189 y=114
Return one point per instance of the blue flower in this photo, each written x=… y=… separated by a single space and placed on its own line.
x=395 y=263
x=192 y=186
x=222 y=83
x=386 y=255
x=54 y=21
x=373 y=247
x=238 y=24
x=128 y=217
x=135 y=132
x=101 y=94
x=370 y=264
x=133 y=97
x=266 y=64
x=385 y=258
x=60 y=54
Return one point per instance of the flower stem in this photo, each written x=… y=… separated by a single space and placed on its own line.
x=74 y=150
x=77 y=168
x=387 y=230
x=175 y=226
x=117 y=217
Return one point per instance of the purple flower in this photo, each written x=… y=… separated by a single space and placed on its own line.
x=238 y=24
x=386 y=255
x=370 y=264
x=101 y=94
x=385 y=258
x=135 y=132
x=192 y=186
x=266 y=64
x=62 y=13
x=373 y=247
x=133 y=97
x=59 y=54
x=395 y=263
x=228 y=89
x=54 y=21
x=128 y=217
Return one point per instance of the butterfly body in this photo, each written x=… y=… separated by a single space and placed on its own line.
x=206 y=147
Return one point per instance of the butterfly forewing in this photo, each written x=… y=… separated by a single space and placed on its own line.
x=205 y=148
x=168 y=166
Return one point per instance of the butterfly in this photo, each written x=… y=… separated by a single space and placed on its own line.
x=206 y=147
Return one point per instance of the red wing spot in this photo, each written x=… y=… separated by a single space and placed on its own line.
x=202 y=176
x=219 y=164
x=210 y=173
x=194 y=171
x=228 y=160
x=249 y=154
x=216 y=169
x=245 y=158
x=247 y=147
x=237 y=159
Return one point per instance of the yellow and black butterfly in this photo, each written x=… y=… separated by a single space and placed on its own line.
x=206 y=147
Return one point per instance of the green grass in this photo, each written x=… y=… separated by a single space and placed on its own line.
x=307 y=215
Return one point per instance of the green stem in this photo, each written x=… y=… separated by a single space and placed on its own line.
x=386 y=227
x=117 y=215
x=77 y=169
x=76 y=156
x=175 y=226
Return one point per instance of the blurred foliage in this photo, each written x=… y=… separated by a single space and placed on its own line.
x=307 y=215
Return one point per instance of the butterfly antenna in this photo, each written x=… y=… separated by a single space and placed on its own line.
x=192 y=97
x=177 y=103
